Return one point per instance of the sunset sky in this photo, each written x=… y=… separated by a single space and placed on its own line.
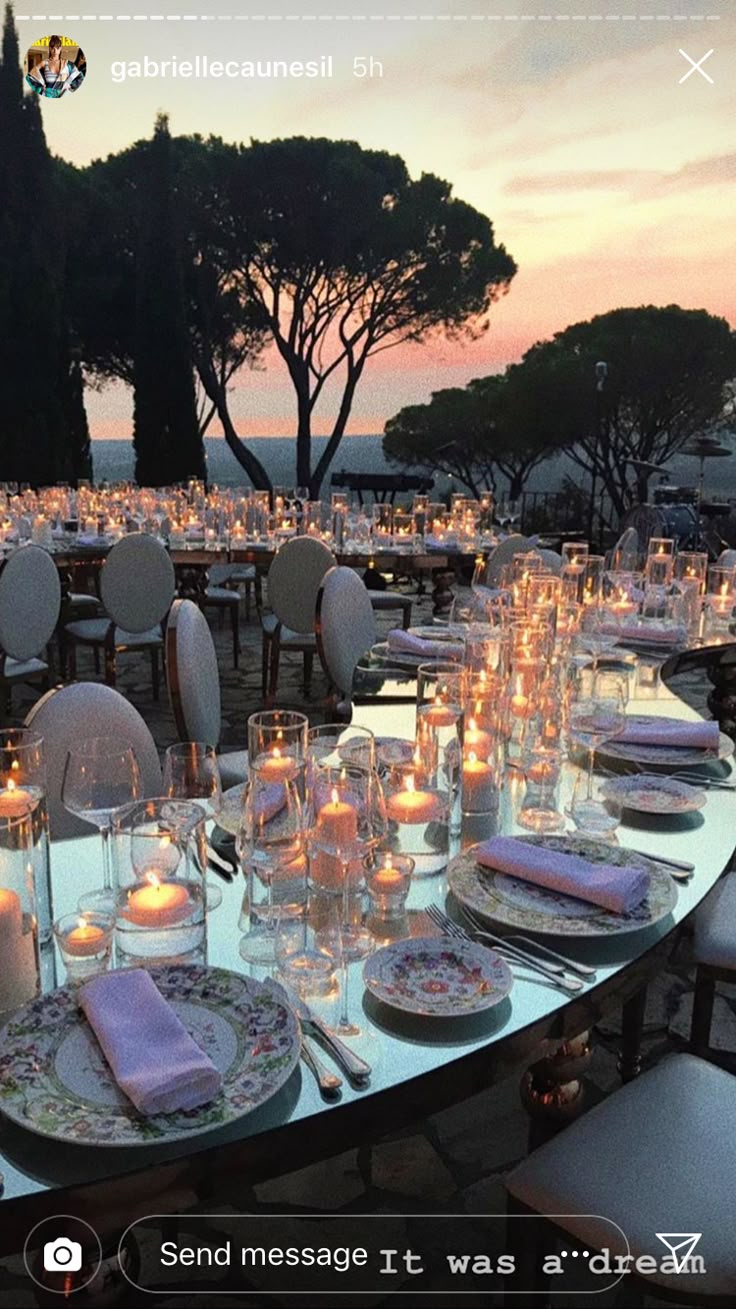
x=609 y=182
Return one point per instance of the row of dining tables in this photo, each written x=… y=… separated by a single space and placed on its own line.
x=418 y=1064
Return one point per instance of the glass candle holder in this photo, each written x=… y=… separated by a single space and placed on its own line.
x=388 y=879
x=270 y=845
x=277 y=744
x=593 y=578
x=335 y=744
x=539 y=811
x=574 y=552
x=85 y=944
x=20 y=976
x=346 y=816
x=721 y=595
x=23 y=788
x=418 y=815
x=692 y=565
x=659 y=567
x=159 y=868
x=487 y=649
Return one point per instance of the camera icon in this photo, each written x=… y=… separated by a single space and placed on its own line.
x=62 y=1256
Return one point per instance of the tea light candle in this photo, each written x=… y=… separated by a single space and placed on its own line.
x=85 y=939
x=387 y=878
x=159 y=904
x=18 y=975
x=412 y=806
x=388 y=886
x=337 y=821
x=14 y=800
x=479 y=793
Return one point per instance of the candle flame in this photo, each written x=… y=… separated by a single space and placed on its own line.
x=165 y=841
x=14 y=766
x=11 y=784
x=417 y=757
x=410 y=782
x=335 y=795
x=276 y=752
x=472 y=725
x=478 y=708
x=81 y=922
x=153 y=879
x=472 y=757
x=388 y=862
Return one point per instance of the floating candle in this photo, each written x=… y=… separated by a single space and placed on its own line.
x=14 y=801
x=477 y=740
x=438 y=714
x=275 y=766
x=159 y=904
x=412 y=806
x=85 y=939
x=337 y=828
x=479 y=792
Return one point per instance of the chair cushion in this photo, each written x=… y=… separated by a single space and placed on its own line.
x=221 y=595
x=302 y=640
x=659 y=1155
x=19 y=670
x=233 y=768
x=715 y=926
x=83 y=599
x=243 y=573
x=94 y=630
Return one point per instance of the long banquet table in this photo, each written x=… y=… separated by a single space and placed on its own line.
x=420 y=1065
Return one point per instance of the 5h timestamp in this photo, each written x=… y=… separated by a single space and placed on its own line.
x=367 y=66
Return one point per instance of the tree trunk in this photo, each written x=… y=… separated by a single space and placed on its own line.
x=304 y=434
x=245 y=457
x=338 y=431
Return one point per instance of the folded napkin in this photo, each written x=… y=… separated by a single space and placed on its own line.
x=152 y=1056
x=402 y=642
x=270 y=801
x=653 y=633
x=700 y=735
x=618 y=889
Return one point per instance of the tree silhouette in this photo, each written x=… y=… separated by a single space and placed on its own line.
x=43 y=433
x=166 y=436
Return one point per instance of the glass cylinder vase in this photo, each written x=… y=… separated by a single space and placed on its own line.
x=20 y=974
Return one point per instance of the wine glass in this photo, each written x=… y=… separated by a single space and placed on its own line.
x=270 y=849
x=598 y=815
x=302 y=963
x=99 y=778
x=192 y=772
x=331 y=941
x=598 y=633
x=598 y=717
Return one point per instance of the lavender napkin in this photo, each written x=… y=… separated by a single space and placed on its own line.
x=700 y=735
x=152 y=1056
x=402 y=642
x=652 y=633
x=618 y=889
x=270 y=801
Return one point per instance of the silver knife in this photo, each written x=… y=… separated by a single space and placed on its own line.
x=681 y=864
x=356 y=1068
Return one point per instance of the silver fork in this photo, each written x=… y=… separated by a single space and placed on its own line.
x=583 y=970
x=552 y=973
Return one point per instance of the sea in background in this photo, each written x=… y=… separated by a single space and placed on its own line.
x=115 y=462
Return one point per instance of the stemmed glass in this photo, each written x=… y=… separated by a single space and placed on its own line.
x=595 y=718
x=99 y=778
x=192 y=772
x=330 y=936
x=597 y=633
x=270 y=848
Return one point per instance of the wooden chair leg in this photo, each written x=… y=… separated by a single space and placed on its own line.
x=265 y=663
x=273 y=675
x=154 y=672
x=96 y=657
x=705 y=994
x=110 y=668
x=234 y=615
x=247 y=587
x=308 y=666
x=72 y=661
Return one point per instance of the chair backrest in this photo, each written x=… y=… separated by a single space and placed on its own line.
x=219 y=574
x=192 y=675
x=294 y=579
x=346 y=626
x=30 y=599
x=552 y=560
x=726 y=559
x=69 y=714
x=137 y=582
x=499 y=558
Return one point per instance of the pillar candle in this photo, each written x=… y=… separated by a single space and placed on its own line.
x=18 y=970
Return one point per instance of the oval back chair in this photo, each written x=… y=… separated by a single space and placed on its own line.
x=294 y=580
x=30 y=600
x=69 y=714
x=346 y=628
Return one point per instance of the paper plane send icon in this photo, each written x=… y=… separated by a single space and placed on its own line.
x=680 y=1245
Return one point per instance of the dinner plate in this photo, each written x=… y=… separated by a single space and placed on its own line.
x=438 y=977
x=665 y=756
x=55 y=1081
x=653 y=793
x=511 y=902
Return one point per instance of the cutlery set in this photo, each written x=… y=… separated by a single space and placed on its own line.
x=554 y=969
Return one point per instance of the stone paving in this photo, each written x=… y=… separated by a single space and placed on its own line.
x=454 y=1161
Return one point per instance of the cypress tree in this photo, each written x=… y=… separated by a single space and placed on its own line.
x=168 y=445
x=40 y=395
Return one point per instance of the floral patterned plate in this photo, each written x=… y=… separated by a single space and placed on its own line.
x=665 y=756
x=437 y=977
x=511 y=902
x=651 y=793
x=54 y=1079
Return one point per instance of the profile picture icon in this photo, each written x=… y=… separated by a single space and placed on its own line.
x=55 y=66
